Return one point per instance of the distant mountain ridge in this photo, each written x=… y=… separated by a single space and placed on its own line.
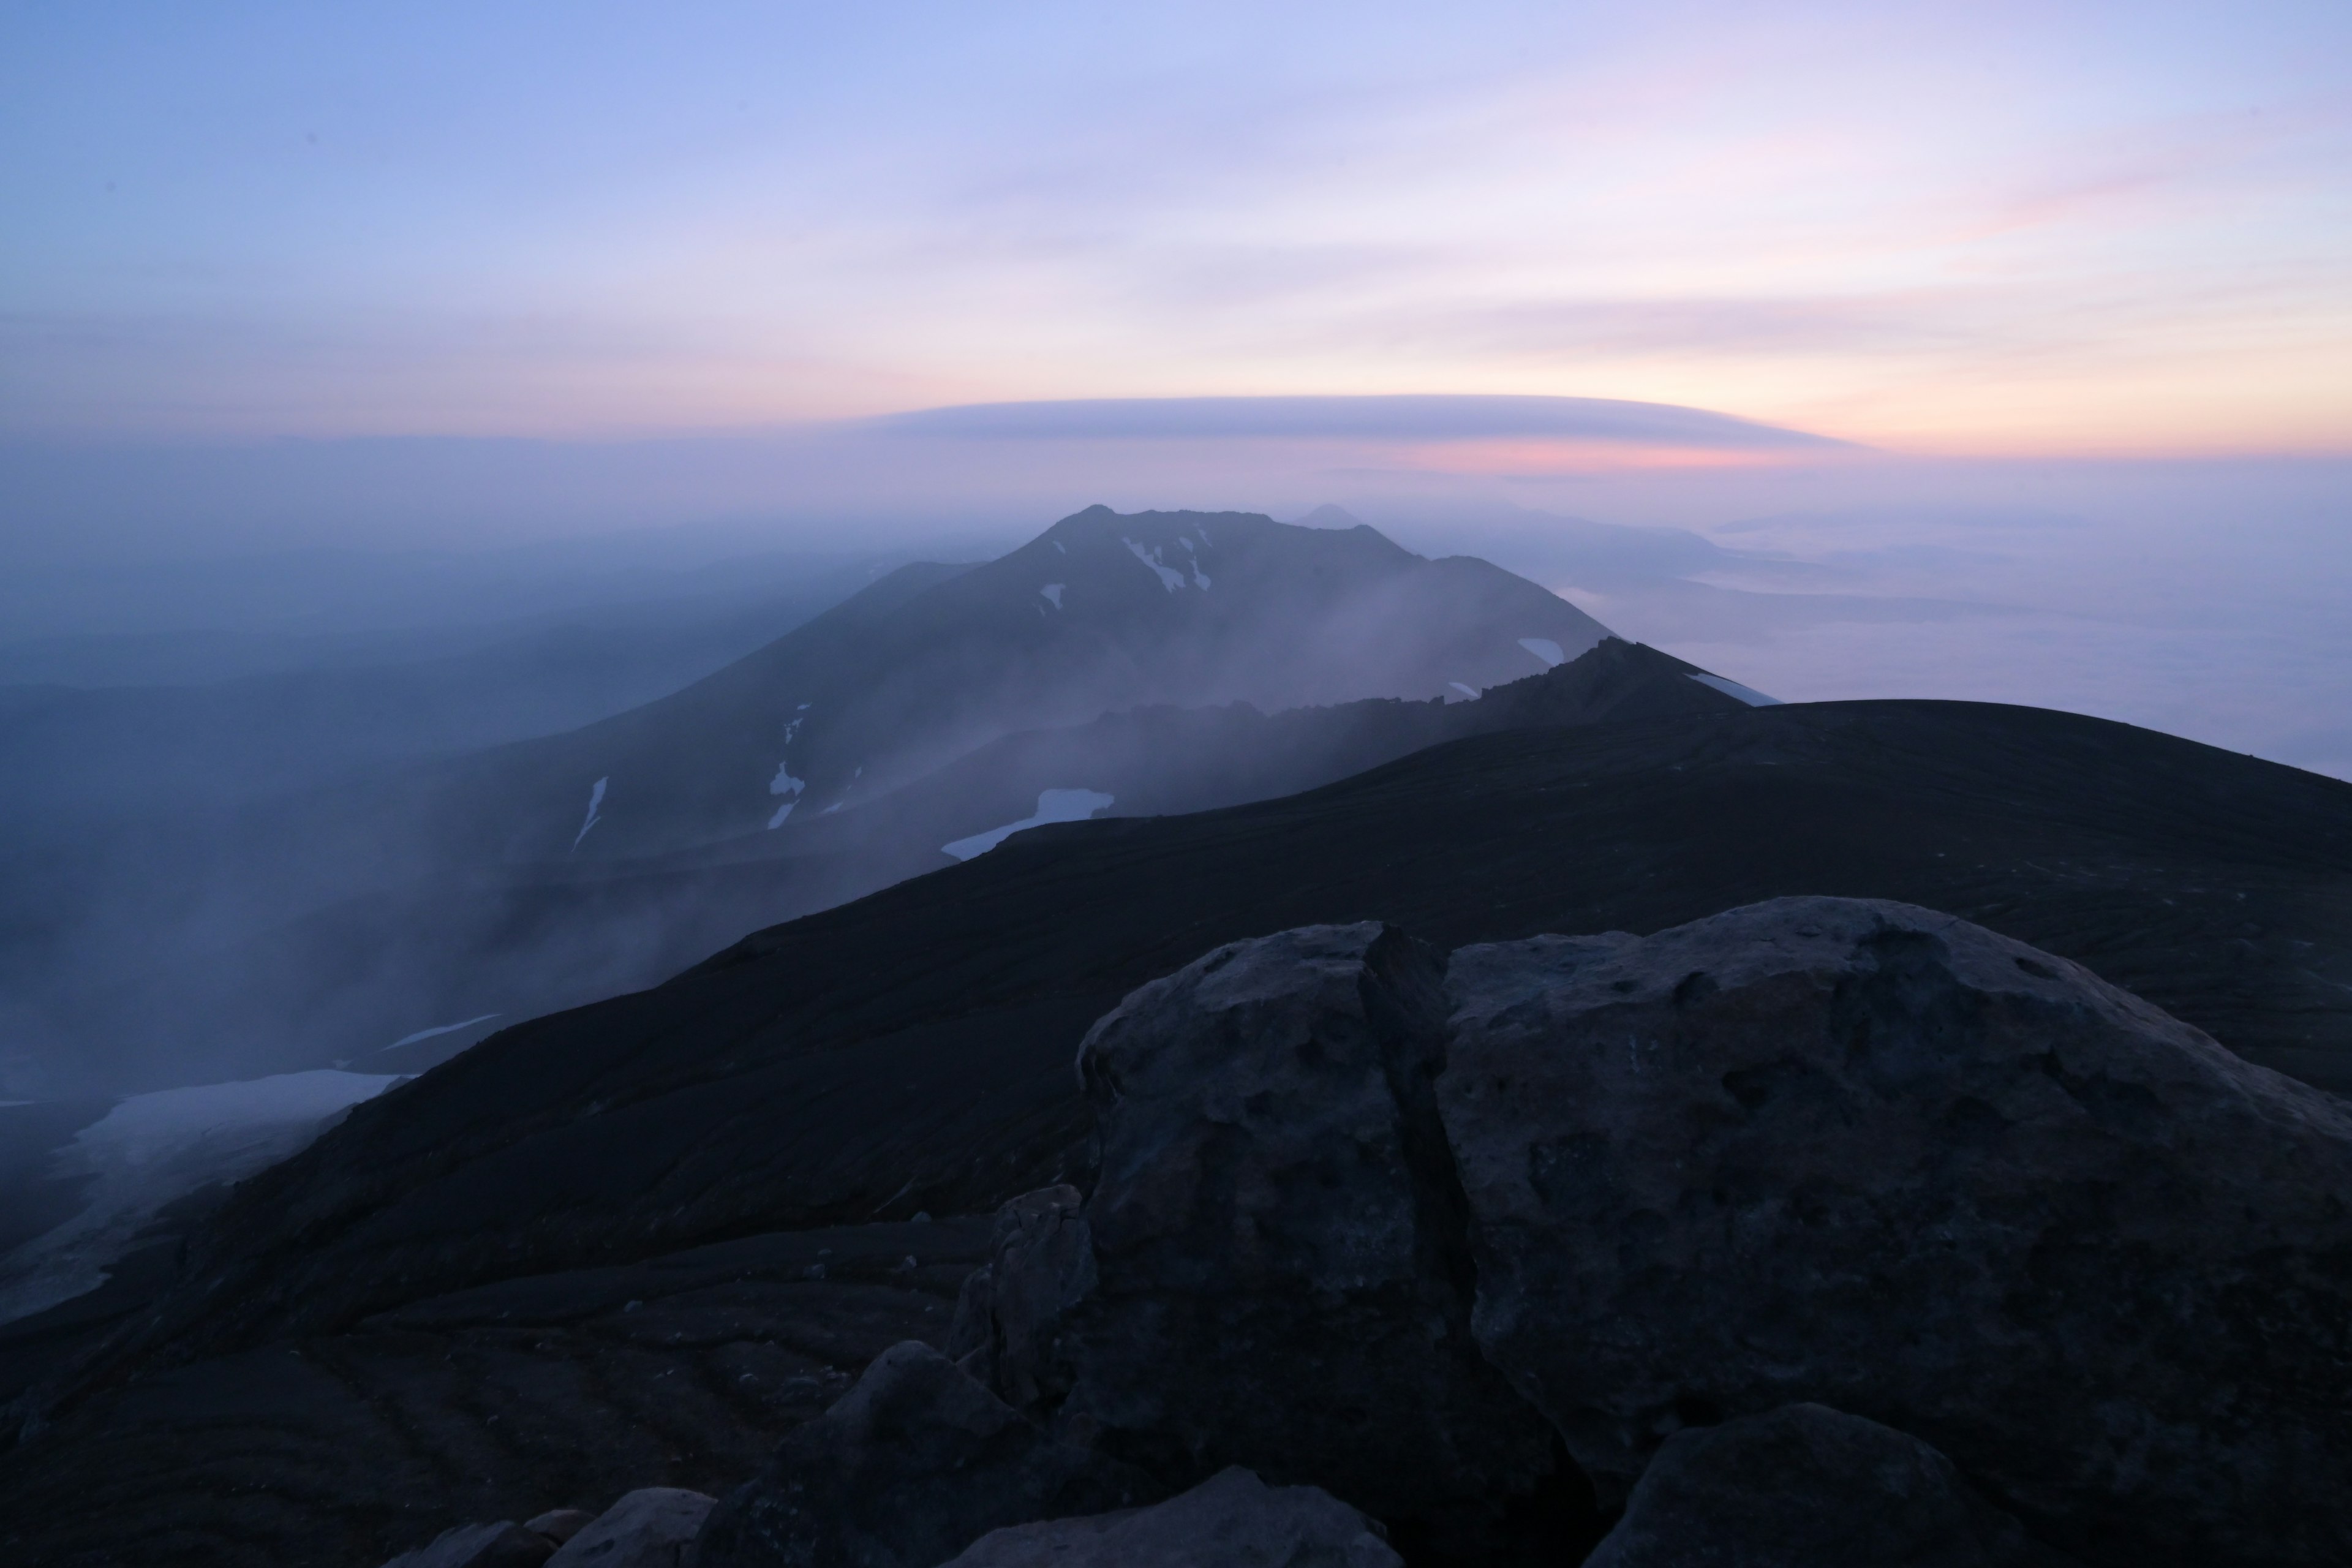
x=1102 y=612
x=222 y=932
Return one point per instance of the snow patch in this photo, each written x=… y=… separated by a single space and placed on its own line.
x=443 y=1030
x=1170 y=578
x=1748 y=694
x=1053 y=805
x=1543 y=649
x=1058 y=545
x=1469 y=691
x=595 y=799
x=785 y=784
x=1053 y=592
x=154 y=1149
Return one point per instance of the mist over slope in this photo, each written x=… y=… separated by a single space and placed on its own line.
x=286 y=884
x=513 y=941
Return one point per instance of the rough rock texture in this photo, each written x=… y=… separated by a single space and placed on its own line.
x=505 y=1545
x=1858 y=1153
x=1232 y=1520
x=649 y=1528
x=1809 y=1486
x=1041 y=1265
x=912 y=1464
x=1283 y=1274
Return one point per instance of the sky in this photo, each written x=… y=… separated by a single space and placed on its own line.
x=2007 y=348
x=1993 y=231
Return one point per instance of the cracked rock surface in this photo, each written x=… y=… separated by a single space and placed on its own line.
x=1863 y=1154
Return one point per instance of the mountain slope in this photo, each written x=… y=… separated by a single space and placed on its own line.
x=2072 y=831
x=463 y=1248
x=516 y=941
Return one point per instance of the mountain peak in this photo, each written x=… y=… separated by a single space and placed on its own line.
x=1330 y=516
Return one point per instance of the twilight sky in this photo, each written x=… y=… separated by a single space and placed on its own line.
x=1993 y=229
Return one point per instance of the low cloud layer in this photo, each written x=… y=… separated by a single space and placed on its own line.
x=1402 y=418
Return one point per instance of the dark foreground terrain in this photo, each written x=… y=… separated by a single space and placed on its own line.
x=632 y=1244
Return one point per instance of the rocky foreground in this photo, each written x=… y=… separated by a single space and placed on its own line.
x=1820 y=1231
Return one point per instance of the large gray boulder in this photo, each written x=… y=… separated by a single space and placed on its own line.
x=1231 y=1521
x=1281 y=1268
x=1809 y=1486
x=1861 y=1153
x=916 y=1462
x=652 y=1527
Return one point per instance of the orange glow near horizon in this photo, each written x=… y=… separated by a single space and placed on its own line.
x=1522 y=459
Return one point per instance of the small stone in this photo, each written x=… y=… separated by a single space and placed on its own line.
x=649 y=1528
x=1807 y=1486
x=912 y=1464
x=559 y=1524
x=1233 y=1520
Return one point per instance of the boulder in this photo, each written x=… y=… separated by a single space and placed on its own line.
x=915 y=1463
x=649 y=1528
x=1233 y=1520
x=559 y=1524
x=1280 y=1269
x=1809 y=1486
x=505 y=1545
x=1860 y=1154
x=1041 y=1264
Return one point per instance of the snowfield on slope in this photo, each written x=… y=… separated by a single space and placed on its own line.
x=1748 y=694
x=1053 y=805
x=154 y=1149
x=438 y=1029
x=1170 y=578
